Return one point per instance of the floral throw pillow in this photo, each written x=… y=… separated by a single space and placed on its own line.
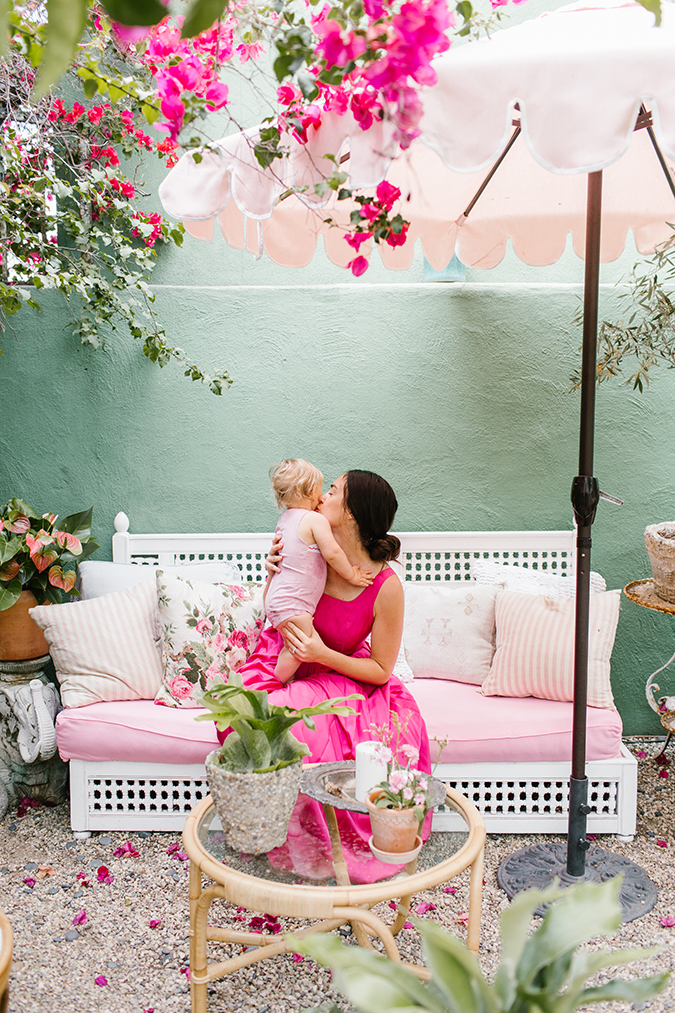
x=206 y=631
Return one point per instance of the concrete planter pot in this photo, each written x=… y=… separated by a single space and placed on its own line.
x=660 y=544
x=20 y=638
x=254 y=809
x=394 y=830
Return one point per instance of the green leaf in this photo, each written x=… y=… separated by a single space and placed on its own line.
x=591 y=909
x=90 y=86
x=633 y=991
x=151 y=113
x=9 y=594
x=136 y=12
x=455 y=971
x=201 y=16
x=65 y=24
x=371 y=982
x=4 y=24
x=654 y=6
x=78 y=524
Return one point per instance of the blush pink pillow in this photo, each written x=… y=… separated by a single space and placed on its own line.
x=534 y=653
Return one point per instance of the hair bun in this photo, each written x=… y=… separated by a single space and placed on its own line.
x=385 y=548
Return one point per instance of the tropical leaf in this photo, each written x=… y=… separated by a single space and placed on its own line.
x=78 y=524
x=9 y=570
x=136 y=12
x=455 y=971
x=65 y=24
x=9 y=594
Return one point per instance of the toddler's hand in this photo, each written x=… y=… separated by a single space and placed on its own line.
x=362 y=578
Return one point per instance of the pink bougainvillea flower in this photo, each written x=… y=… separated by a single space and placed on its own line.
x=663 y=773
x=641 y=753
x=407 y=925
x=126 y=850
x=387 y=194
x=186 y=972
x=176 y=847
x=29 y=881
x=592 y=837
x=181 y=856
x=449 y=889
x=423 y=907
x=155 y=923
x=355 y=239
x=80 y=918
x=358 y=266
x=216 y=95
x=662 y=760
x=297 y=958
x=337 y=48
x=101 y=981
x=250 y=51
x=289 y=93
x=104 y=875
x=668 y=921
x=661 y=843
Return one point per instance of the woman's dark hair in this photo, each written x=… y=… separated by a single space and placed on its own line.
x=372 y=503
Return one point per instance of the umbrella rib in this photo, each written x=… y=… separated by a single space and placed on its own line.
x=657 y=149
x=481 y=188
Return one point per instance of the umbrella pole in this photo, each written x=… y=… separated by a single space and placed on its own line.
x=585 y=498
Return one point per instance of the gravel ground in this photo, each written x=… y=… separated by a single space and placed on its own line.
x=118 y=960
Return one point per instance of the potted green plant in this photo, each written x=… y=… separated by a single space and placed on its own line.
x=540 y=971
x=254 y=777
x=38 y=565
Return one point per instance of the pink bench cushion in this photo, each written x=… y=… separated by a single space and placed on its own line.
x=501 y=728
x=137 y=731
x=480 y=728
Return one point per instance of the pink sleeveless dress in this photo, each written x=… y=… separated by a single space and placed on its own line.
x=343 y=626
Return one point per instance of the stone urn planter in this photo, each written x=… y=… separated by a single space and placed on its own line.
x=254 y=809
x=660 y=544
x=394 y=830
x=20 y=638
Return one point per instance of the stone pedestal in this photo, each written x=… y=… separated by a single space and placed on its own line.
x=45 y=778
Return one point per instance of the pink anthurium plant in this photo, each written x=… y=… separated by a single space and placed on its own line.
x=41 y=554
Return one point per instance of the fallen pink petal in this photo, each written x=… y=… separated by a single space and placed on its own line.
x=80 y=918
x=592 y=837
x=663 y=773
x=29 y=881
x=186 y=972
x=641 y=754
x=104 y=875
x=126 y=850
x=422 y=908
x=668 y=921
x=155 y=923
x=661 y=843
x=449 y=889
x=297 y=958
x=407 y=925
x=100 y=981
x=172 y=847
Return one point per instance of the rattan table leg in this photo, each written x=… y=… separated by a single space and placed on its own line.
x=340 y=868
x=195 y=893
x=199 y=975
x=475 y=903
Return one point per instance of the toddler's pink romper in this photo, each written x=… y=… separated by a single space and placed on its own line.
x=302 y=578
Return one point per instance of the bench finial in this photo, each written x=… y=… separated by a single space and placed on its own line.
x=121 y=522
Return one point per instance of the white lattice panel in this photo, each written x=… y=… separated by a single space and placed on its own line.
x=144 y=796
x=533 y=797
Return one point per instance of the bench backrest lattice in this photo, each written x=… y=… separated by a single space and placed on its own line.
x=425 y=555
x=548 y=797
x=144 y=795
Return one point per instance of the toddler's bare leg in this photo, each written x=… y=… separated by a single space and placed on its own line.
x=287 y=664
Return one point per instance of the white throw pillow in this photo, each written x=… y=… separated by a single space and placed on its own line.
x=98 y=576
x=105 y=649
x=448 y=630
x=206 y=630
x=527 y=581
x=534 y=655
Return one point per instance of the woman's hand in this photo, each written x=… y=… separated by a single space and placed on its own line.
x=304 y=647
x=274 y=556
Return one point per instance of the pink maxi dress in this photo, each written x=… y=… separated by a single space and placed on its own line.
x=343 y=626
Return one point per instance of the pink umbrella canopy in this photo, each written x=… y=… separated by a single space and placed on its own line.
x=574 y=79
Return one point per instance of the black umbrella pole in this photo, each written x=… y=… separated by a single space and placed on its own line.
x=585 y=498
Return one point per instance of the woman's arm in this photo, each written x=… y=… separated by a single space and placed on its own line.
x=320 y=530
x=272 y=560
x=385 y=641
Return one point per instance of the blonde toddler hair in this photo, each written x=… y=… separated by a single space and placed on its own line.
x=292 y=480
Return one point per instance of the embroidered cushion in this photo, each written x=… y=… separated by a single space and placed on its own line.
x=105 y=649
x=448 y=630
x=522 y=578
x=206 y=632
x=534 y=653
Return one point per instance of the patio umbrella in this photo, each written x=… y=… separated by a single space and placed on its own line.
x=575 y=113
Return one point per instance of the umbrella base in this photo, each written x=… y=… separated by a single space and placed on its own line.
x=537 y=865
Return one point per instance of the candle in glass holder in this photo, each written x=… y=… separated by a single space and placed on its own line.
x=370 y=768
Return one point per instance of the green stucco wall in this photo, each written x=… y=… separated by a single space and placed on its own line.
x=457 y=393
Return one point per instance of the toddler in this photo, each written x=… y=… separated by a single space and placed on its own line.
x=293 y=592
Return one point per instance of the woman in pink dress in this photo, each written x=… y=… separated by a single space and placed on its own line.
x=335 y=660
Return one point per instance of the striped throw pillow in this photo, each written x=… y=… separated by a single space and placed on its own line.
x=107 y=648
x=534 y=655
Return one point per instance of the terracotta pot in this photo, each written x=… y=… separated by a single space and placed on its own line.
x=394 y=830
x=660 y=544
x=20 y=638
x=254 y=809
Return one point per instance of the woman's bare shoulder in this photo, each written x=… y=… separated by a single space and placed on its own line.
x=390 y=594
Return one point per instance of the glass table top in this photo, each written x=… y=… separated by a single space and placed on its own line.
x=439 y=847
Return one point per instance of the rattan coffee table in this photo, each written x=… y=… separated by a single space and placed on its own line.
x=253 y=883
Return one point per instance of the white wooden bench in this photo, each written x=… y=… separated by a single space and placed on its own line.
x=513 y=797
